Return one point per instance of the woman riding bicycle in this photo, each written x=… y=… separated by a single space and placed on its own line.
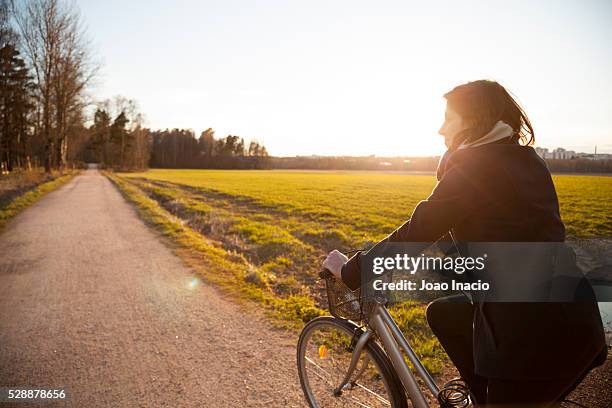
x=493 y=187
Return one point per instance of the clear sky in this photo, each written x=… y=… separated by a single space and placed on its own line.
x=354 y=77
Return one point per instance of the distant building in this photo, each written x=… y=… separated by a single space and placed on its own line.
x=561 y=153
x=542 y=152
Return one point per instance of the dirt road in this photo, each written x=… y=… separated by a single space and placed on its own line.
x=91 y=300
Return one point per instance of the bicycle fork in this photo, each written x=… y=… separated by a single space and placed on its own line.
x=358 y=348
x=394 y=342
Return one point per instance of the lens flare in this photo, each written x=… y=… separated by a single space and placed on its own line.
x=193 y=283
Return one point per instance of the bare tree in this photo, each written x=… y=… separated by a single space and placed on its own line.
x=7 y=35
x=58 y=53
x=71 y=75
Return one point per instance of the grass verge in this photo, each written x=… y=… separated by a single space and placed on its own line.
x=227 y=269
x=26 y=199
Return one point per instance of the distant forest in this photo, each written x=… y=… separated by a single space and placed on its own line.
x=418 y=164
x=178 y=148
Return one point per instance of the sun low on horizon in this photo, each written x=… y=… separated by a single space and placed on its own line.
x=355 y=78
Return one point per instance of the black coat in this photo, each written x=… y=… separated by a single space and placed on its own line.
x=503 y=192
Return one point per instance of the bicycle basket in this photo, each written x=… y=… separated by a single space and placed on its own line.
x=345 y=303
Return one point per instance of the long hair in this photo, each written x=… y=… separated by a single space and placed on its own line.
x=481 y=104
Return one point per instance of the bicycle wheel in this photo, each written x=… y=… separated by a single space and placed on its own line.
x=323 y=356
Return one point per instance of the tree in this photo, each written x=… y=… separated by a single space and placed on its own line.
x=101 y=135
x=57 y=52
x=7 y=34
x=239 y=147
x=15 y=97
x=230 y=146
x=119 y=137
x=72 y=73
x=206 y=145
x=257 y=150
x=140 y=152
x=15 y=107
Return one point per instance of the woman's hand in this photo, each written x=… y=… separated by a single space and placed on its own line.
x=334 y=262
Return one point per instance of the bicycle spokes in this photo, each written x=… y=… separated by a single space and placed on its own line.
x=338 y=369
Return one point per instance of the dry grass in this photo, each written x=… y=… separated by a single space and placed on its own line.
x=22 y=189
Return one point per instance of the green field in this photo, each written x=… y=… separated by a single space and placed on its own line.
x=370 y=204
x=276 y=225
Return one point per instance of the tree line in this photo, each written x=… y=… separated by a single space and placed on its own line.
x=179 y=148
x=118 y=140
x=579 y=165
x=417 y=164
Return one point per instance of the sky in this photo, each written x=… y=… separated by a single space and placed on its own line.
x=339 y=77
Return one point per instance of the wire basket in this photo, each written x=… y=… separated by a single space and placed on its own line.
x=345 y=303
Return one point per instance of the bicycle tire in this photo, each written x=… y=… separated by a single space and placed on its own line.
x=393 y=385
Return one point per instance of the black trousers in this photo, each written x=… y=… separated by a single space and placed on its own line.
x=451 y=318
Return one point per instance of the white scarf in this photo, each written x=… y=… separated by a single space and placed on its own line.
x=501 y=130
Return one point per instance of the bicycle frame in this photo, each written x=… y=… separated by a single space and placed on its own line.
x=381 y=323
x=393 y=340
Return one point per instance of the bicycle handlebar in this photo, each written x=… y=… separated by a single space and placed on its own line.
x=326 y=273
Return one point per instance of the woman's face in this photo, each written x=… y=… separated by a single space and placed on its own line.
x=453 y=124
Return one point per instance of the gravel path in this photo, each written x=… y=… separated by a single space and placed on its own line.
x=91 y=300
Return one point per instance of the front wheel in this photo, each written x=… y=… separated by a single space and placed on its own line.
x=324 y=352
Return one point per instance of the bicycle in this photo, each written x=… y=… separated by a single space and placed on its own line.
x=355 y=356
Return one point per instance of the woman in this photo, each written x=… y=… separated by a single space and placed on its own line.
x=493 y=187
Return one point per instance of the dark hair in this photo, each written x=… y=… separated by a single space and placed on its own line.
x=484 y=102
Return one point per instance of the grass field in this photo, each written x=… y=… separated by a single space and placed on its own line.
x=276 y=225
